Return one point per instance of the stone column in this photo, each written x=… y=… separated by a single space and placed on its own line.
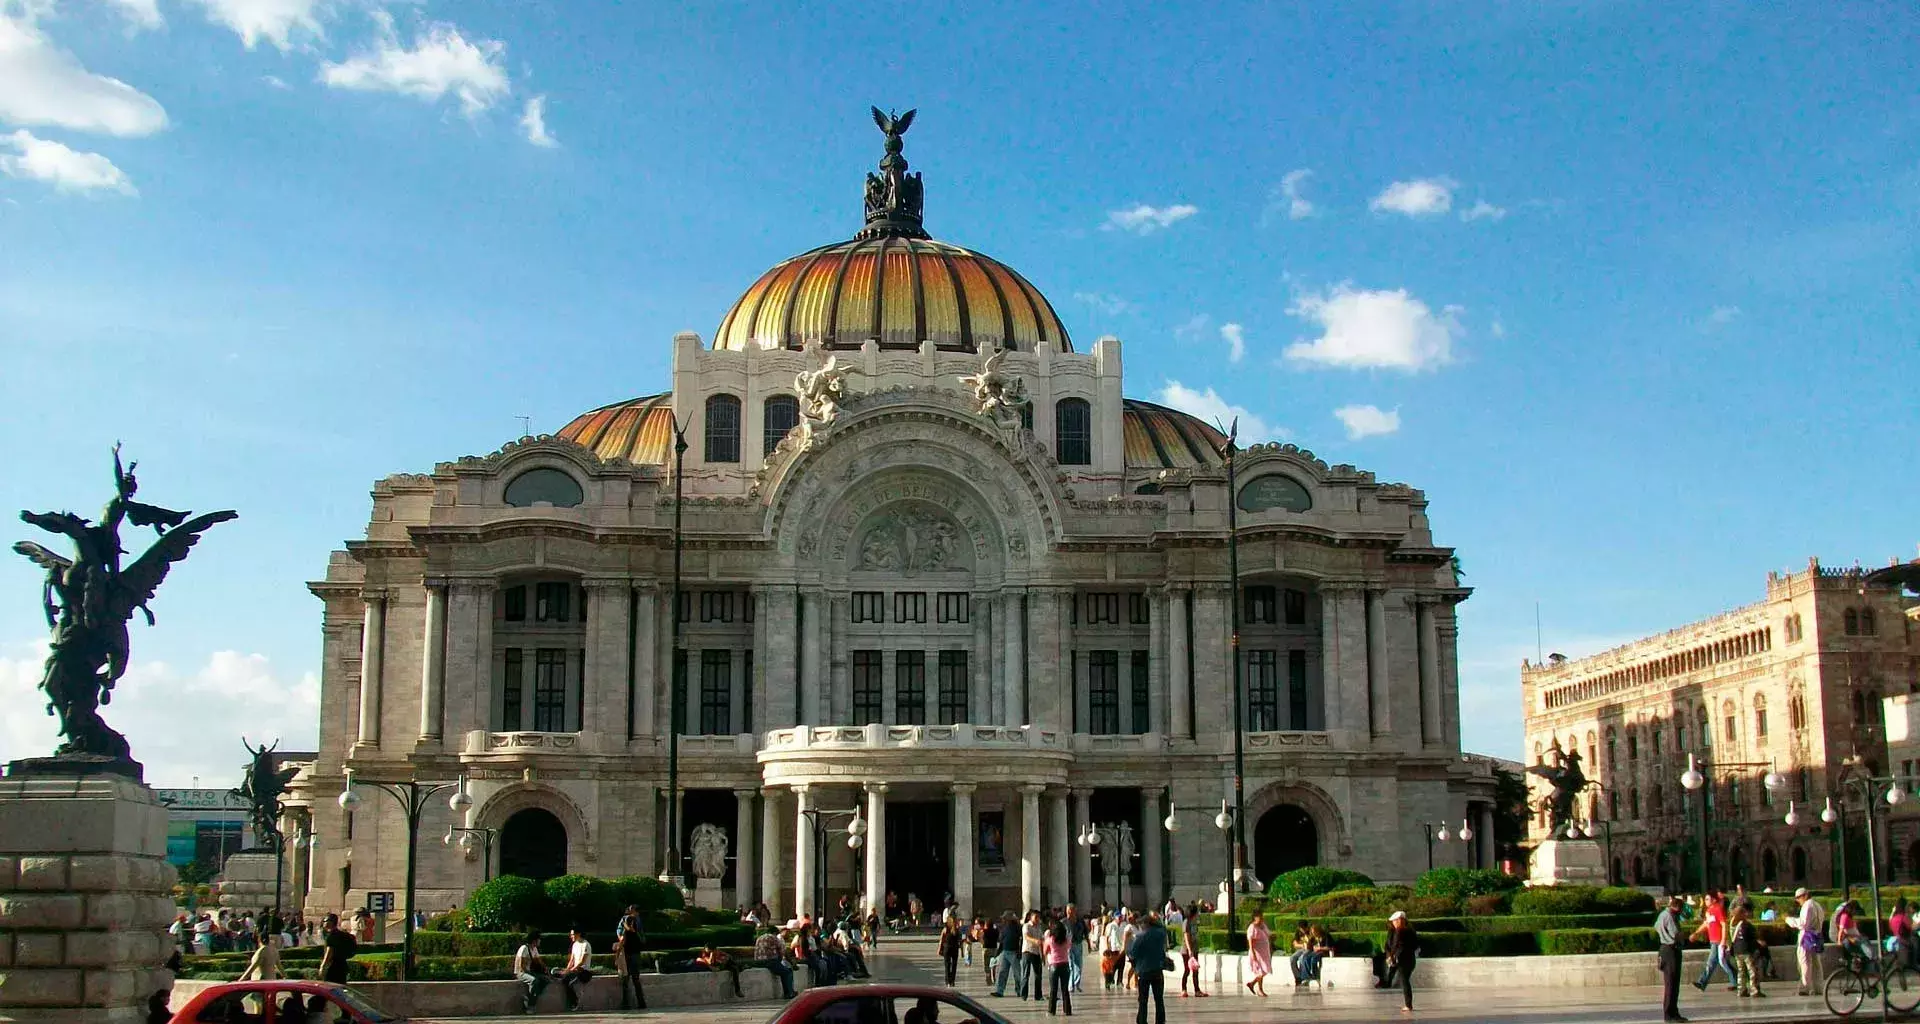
x=1030 y=847
x=85 y=898
x=1213 y=665
x=1058 y=842
x=1013 y=671
x=876 y=846
x=1044 y=667
x=803 y=866
x=782 y=659
x=759 y=713
x=1082 y=860
x=838 y=668
x=743 y=895
x=1157 y=663
x=604 y=707
x=1348 y=674
x=1178 y=684
x=1153 y=881
x=373 y=633
x=1380 y=717
x=1449 y=648
x=1331 y=694
x=646 y=657
x=980 y=667
x=813 y=665
x=433 y=663
x=770 y=850
x=1430 y=725
x=963 y=848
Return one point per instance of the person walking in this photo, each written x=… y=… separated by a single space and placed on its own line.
x=1058 y=949
x=1742 y=943
x=1033 y=954
x=1147 y=954
x=950 y=942
x=1403 y=951
x=1077 y=937
x=341 y=945
x=265 y=965
x=1714 y=927
x=1190 y=952
x=628 y=936
x=1809 y=922
x=1259 y=953
x=529 y=970
x=1113 y=962
x=1666 y=928
x=1006 y=962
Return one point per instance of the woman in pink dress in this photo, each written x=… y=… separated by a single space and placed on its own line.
x=1259 y=953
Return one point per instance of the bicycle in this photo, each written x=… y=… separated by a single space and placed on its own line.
x=1861 y=977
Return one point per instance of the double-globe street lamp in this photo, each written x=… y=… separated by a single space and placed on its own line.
x=464 y=836
x=413 y=796
x=1873 y=788
x=1693 y=780
x=822 y=824
x=1119 y=837
x=1446 y=836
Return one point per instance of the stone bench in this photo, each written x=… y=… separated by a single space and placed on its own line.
x=502 y=997
x=1594 y=970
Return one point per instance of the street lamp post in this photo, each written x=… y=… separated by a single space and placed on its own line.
x=1579 y=830
x=1853 y=772
x=464 y=836
x=1443 y=835
x=1837 y=817
x=1237 y=821
x=413 y=796
x=678 y=669
x=1693 y=780
x=821 y=823
x=1224 y=822
x=1120 y=835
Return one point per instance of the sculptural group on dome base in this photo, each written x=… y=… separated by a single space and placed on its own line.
x=997 y=394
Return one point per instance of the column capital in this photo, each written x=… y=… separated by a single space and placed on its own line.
x=746 y=794
x=1033 y=789
x=370 y=595
x=1082 y=793
x=605 y=583
x=434 y=582
x=876 y=787
x=801 y=789
x=1343 y=586
x=962 y=788
x=474 y=584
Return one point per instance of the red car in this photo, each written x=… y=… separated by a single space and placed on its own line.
x=883 y=1004
x=280 y=1002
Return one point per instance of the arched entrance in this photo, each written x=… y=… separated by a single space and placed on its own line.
x=1285 y=838
x=533 y=844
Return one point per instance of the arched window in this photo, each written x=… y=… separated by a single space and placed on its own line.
x=543 y=485
x=1796 y=713
x=723 y=428
x=778 y=415
x=1852 y=622
x=1633 y=746
x=1799 y=861
x=1680 y=736
x=1769 y=867
x=1613 y=757
x=1538 y=757
x=1593 y=752
x=1733 y=721
x=1859 y=709
x=1613 y=806
x=1073 y=432
x=1706 y=734
x=1633 y=803
x=1759 y=718
x=1866 y=621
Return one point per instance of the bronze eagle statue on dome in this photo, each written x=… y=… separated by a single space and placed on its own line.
x=89 y=598
x=893 y=126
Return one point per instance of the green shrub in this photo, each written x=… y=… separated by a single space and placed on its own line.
x=1306 y=883
x=583 y=902
x=1359 y=902
x=507 y=903
x=1557 y=899
x=649 y=894
x=1420 y=907
x=1522 y=923
x=1462 y=883
x=455 y=920
x=1572 y=941
x=1489 y=905
x=1618 y=899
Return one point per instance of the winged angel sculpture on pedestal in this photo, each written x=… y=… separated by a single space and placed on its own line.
x=89 y=598
x=997 y=393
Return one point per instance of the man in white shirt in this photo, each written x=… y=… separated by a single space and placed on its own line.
x=1811 y=919
x=530 y=971
x=579 y=968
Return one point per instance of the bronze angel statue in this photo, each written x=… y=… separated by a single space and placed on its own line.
x=90 y=597
x=264 y=785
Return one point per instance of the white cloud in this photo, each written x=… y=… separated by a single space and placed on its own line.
x=275 y=81
x=1236 y=337
x=1101 y=302
x=1217 y=411
x=1367 y=421
x=1194 y=329
x=143 y=13
x=1297 y=206
x=1421 y=197
x=440 y=61
x=1145 y=220
x=1374 y=330
x=1498 y=328
x=1722 y=316
x=43 y=85
x=67 y=170
x=179 y=724
x=533 y=121
x=1483 y=210
x=275 y=21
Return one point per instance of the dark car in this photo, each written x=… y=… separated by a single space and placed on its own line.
x=884 y=1004
x=281 y=1002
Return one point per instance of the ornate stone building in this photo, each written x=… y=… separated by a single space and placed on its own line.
x=1793 y=681
x=937 y=568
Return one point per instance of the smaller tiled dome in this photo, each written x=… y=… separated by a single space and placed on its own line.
x=1157 y=437
x=638 y=429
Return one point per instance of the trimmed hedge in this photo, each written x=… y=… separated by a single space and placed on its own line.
x=1306 y=883
x=1462 y=883
x=581 y=901
x=506 y=903
x=1572 y=941
x=1357 y=902
x=482 y=944
x=649 y=894
x=1581 y=899
x=1489 y=905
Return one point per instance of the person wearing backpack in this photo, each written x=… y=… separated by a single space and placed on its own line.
x=628 y=936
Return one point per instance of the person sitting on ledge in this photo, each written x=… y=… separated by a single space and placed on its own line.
x=708 y=960
x=530 y=971
x=770 y=952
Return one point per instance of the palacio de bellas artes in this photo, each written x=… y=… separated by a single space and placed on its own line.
x=934 y=568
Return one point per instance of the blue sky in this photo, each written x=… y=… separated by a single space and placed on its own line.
x=1627 y=289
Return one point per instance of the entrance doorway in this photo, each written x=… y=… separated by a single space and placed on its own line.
x=1285 y=838
x=919 y=853
x=533 y=844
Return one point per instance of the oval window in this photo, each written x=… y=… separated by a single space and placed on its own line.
x=1274 y=491
x=544 y=485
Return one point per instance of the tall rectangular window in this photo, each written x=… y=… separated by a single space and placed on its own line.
x=955 y=607
x=510 y=689
x=1139 y=609
x=1138 y=694
x=779 y=414
x=867 y=688
x=1102 y=608
x=1073 y=432
x=1263 y=691
x=1259 y=610
x=514 y=604
x=716 y=693
x=910 y=606
x=1103 y=692
x=723 y=428
x=549 y=690
x=1295 y=608
x=869 y=606
x=910 y=687
x=716 y=606
x=953 y=686
x=1297 y=688
x=746 y=691
x=552 y=602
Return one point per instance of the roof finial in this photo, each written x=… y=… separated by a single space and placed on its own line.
x=893 y=195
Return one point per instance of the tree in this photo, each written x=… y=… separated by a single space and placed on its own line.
x=1509 y=815
x=195 y=873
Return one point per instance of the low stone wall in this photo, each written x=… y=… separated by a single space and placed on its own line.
x=1597 y=970
x=502 y=998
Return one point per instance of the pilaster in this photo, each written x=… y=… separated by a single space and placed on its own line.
x=373 y=632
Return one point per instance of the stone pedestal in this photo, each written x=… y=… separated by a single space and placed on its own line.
x=707 y=894
x=85 y=898
x=246 y=883
x=1568 y=862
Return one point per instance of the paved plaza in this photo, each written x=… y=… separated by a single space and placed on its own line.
x=913 y=961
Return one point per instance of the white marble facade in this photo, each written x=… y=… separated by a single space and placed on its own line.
x=915 y=608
